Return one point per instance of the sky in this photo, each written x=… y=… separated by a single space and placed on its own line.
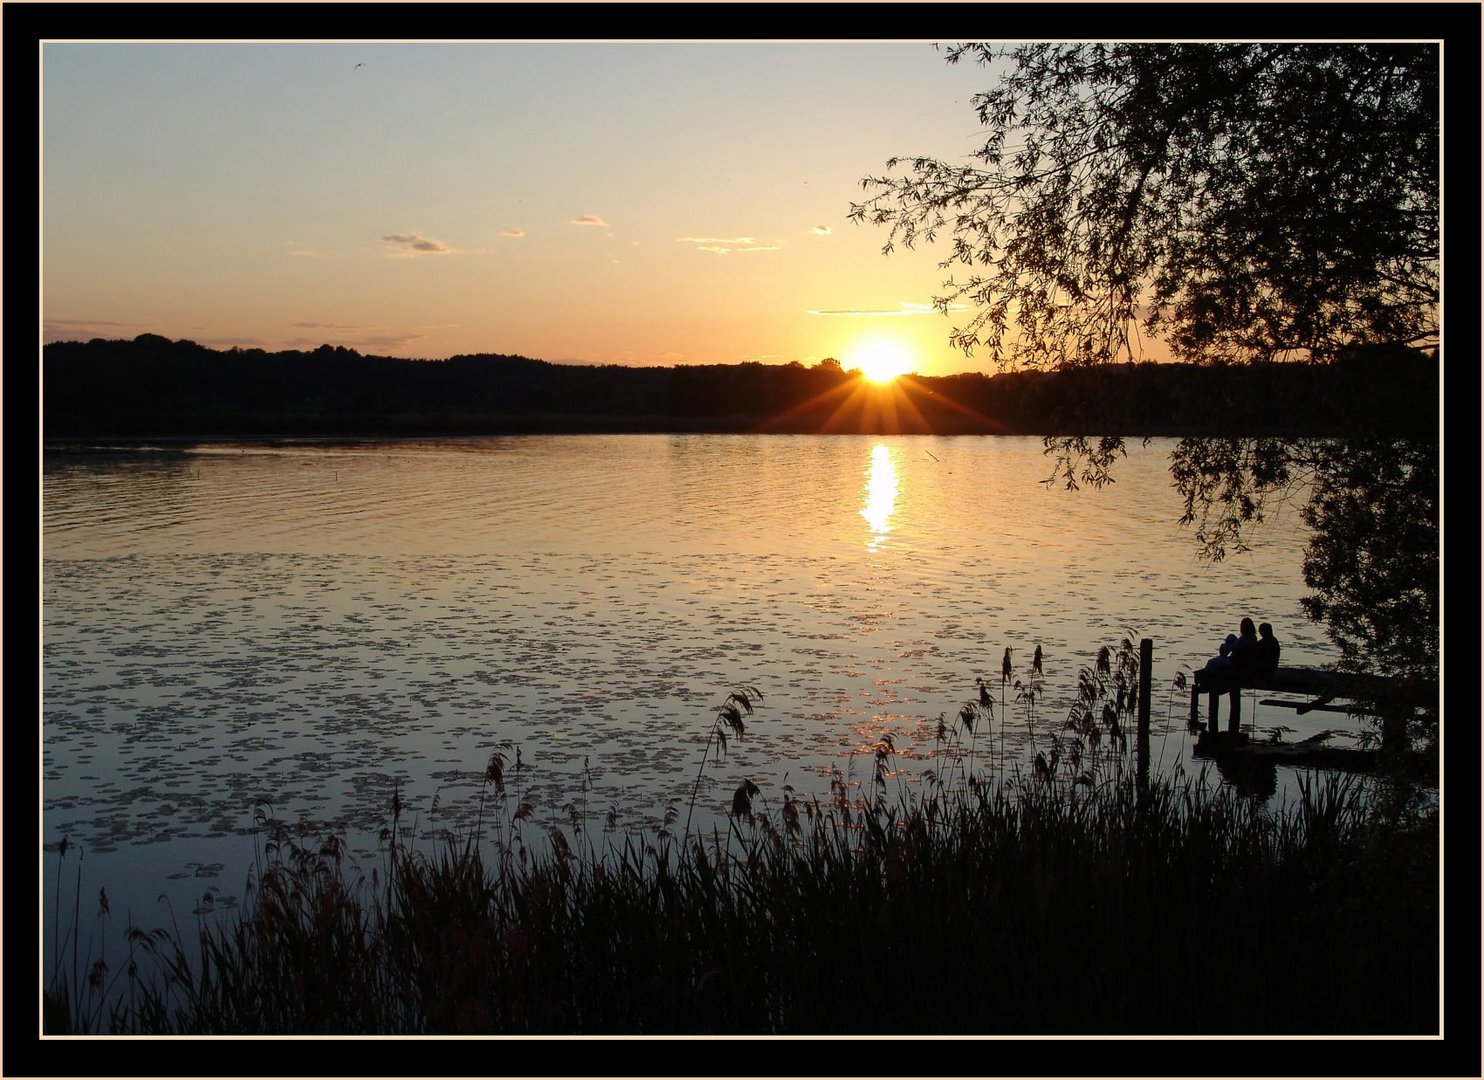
x=605 y=202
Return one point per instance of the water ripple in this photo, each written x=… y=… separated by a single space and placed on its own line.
x=310 y=626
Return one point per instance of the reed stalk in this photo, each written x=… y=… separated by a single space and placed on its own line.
x=1090 y=906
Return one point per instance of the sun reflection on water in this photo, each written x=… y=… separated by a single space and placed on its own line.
x=881 y=495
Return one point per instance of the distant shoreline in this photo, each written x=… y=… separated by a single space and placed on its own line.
x=151 y=389
x=78 y=440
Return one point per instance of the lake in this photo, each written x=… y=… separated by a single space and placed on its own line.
x=309 y=628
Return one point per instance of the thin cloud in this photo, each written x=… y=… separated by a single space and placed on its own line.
x=325 y=326
x=513 y=232
x=590 y=219
x=86 y=322
x=823 y=230
x=389 y=341
x=412 y=244
x=227 y=342
x=361 y=343
x=714 y=245
x=898 y=311
x=82 y=329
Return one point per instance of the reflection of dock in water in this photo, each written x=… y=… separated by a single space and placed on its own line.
x=1313 y=752
x=1252 y=766
x=1319 y=689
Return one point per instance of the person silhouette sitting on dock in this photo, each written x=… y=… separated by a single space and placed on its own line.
x=1239 y=652
x=1267 y=648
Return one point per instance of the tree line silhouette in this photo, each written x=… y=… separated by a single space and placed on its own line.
x=152 y=386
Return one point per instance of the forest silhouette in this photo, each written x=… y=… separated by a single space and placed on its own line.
x=151 y=386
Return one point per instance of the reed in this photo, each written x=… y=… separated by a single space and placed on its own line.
x=982 y=904
x=729 y=718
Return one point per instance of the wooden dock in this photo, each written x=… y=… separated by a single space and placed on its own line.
x=1255 y=763
x=1318 y=684
x=1318 y=688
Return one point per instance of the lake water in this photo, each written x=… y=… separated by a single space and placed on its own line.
x=312 y=627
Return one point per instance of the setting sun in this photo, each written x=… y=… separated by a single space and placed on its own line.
x=881 y=360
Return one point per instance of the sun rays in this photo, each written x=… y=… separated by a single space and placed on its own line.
x=902 y=406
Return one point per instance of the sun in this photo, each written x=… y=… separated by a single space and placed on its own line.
x=881 y=360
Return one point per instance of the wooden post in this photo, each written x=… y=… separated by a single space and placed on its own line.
x=1146 y=681
x=1234 y=720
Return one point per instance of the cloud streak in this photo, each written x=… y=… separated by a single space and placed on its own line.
x=414 y=244
x=220 y=341
x=83 y=329
x=361 y=343
x=715 y=245
x=589 y=219
x=68 y=324
x=896 y=312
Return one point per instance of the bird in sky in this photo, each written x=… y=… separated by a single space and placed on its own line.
x=360 y=65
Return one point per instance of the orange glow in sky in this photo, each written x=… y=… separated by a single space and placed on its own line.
x=630 y=203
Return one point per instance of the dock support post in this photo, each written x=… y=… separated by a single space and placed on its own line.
x=1146 y=682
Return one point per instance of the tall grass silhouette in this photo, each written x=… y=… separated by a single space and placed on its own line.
x=729 y=719
x=1096 y=906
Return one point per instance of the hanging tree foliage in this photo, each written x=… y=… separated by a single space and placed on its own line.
x=1238 y=203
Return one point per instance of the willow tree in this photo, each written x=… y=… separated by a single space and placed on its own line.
x=1233 y=203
